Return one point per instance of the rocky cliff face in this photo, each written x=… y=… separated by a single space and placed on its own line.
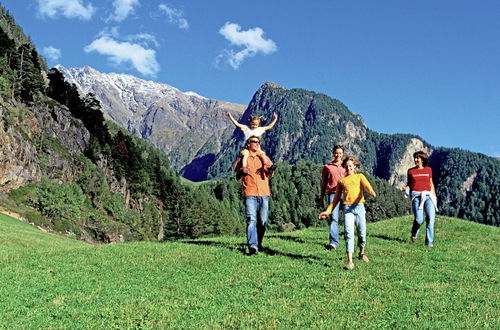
x=38 y=143
x=405 y=161
x=179 y=123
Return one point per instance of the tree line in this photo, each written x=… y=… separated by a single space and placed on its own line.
x=20 y=63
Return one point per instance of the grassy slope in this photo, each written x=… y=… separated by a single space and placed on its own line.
x=52 y=281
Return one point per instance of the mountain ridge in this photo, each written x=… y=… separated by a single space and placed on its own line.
x=157 y=112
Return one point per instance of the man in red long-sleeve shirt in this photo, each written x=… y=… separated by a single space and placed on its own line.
x=331 y=174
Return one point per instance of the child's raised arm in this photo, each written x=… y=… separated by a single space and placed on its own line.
x=275 y=119
x=240 y=126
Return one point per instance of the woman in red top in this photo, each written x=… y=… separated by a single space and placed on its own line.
x=423 y=196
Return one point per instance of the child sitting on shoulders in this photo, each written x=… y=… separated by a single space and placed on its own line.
x=254 y=130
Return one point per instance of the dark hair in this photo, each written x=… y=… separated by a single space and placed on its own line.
x=338 y=146
x=423 y=156
x=353 y=160
x=247 y=143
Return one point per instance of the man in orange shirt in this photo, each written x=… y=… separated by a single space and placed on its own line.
x=257 y=193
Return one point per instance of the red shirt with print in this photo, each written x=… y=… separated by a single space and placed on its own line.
x=420 y=179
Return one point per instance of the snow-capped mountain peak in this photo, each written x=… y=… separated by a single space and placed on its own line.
x=156 y=111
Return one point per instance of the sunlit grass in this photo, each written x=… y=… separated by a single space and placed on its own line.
x=49 y=281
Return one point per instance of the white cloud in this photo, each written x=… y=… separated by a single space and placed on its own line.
x=251 y=40
x=123 y=8
x=65 y=8
x=52 y=53
x=175 y=16
x=110 y=31
x=144 y=39
x=142 y=59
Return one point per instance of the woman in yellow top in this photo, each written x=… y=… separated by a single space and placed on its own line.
x=351 y=187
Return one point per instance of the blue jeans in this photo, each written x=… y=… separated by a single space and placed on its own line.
x=430 y=211
x=354 y=215
x=257 y=209
x=334 y=223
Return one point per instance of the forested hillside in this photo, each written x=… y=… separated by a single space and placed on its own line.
x=66 y=169
x=20 y=64
x=468 y=185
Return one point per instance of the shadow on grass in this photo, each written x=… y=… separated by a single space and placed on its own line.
x=242 y=248
x=287 y=238
x=387 y=238
x=297 y=239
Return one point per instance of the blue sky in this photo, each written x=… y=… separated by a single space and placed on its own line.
x=428 y=67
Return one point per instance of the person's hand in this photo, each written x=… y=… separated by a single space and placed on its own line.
x=323 y=215
x=275 y=115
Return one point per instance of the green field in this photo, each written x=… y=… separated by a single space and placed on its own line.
x=50 y=281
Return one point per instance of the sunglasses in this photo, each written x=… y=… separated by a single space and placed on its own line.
x=254 y=141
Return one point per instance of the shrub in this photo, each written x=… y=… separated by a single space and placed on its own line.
x=59 y=200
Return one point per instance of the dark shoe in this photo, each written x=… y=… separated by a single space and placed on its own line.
x=253 y=250
x=330 y=247
x=413 y=239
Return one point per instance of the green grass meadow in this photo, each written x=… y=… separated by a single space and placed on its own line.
x=50 y=281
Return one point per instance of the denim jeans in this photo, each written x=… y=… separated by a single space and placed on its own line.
x=430 y=212
x=334 y=223
x=257 y=212
x=354 y=215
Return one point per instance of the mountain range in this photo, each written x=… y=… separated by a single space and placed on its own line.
x=178 y=123
x=202 y=144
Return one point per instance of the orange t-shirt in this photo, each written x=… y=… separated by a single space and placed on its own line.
x=255 y=184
